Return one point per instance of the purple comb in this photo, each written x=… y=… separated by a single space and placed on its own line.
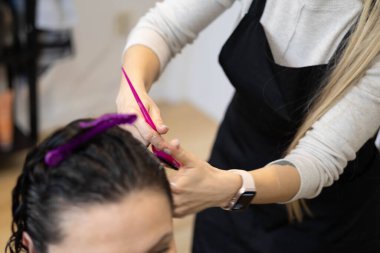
x=95 y=127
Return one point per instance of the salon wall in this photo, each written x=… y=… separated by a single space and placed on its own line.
x=87 y=83
x=195 y=74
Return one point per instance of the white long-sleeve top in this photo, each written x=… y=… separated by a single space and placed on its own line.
x=300 y=33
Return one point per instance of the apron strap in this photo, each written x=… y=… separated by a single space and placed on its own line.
x=257 y=8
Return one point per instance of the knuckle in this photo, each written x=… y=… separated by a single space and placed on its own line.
x=178 y=213
x=181 y=215
x=178 y=189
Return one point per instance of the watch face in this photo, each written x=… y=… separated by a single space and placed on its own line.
x=244 y=200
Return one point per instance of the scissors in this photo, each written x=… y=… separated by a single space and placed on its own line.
x=164 y=157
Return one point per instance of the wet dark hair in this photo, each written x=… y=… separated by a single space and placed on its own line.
x=103 y=170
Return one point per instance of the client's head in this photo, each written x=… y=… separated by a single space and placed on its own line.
x=109 y=194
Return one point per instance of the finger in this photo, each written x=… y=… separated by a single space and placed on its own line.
x=158 y=142
x=163 y=129
x=178 y=153
x=157 y=119
x=184 y=210
x=174 y=186
x=148 y=134
x=178 y=213
x=181 y=212
x=178 y=200
x=145 y=132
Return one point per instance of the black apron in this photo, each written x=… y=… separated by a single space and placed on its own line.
x=260 y=122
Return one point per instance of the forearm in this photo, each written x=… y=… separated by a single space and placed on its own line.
x=142 y=66
x=275 y=183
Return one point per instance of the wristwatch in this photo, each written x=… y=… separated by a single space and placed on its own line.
x=246 y=193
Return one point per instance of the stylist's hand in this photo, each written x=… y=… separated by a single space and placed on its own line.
x=197 y=185
x=126 y=103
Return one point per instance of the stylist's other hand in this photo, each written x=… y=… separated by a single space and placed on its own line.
x=126 y=103
x=197 y=185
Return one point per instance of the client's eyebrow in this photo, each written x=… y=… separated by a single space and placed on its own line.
x=164 y=239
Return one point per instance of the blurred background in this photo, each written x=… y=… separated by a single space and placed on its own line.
x=60 y=60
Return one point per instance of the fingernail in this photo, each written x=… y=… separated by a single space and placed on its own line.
x=167 y=151
x=164 y=127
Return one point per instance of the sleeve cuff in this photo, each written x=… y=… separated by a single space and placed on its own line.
x=151 y=39
x=308 y=179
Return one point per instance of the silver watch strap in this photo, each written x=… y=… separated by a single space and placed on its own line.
x=248 y=182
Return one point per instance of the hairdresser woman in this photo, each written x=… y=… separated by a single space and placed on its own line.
x=298 y=132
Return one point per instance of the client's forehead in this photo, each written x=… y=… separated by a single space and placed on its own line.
x=134 y=224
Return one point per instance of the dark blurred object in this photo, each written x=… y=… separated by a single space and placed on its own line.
x=18 y=57
x=5 y=26
x=54 y=45
x=55 y=21
x=26 y=52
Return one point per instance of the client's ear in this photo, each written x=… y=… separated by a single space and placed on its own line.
x=28 y=242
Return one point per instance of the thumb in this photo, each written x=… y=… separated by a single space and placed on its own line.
x=157 y=119
x=185 y=158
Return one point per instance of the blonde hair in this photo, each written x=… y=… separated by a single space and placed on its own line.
x=360 y=50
